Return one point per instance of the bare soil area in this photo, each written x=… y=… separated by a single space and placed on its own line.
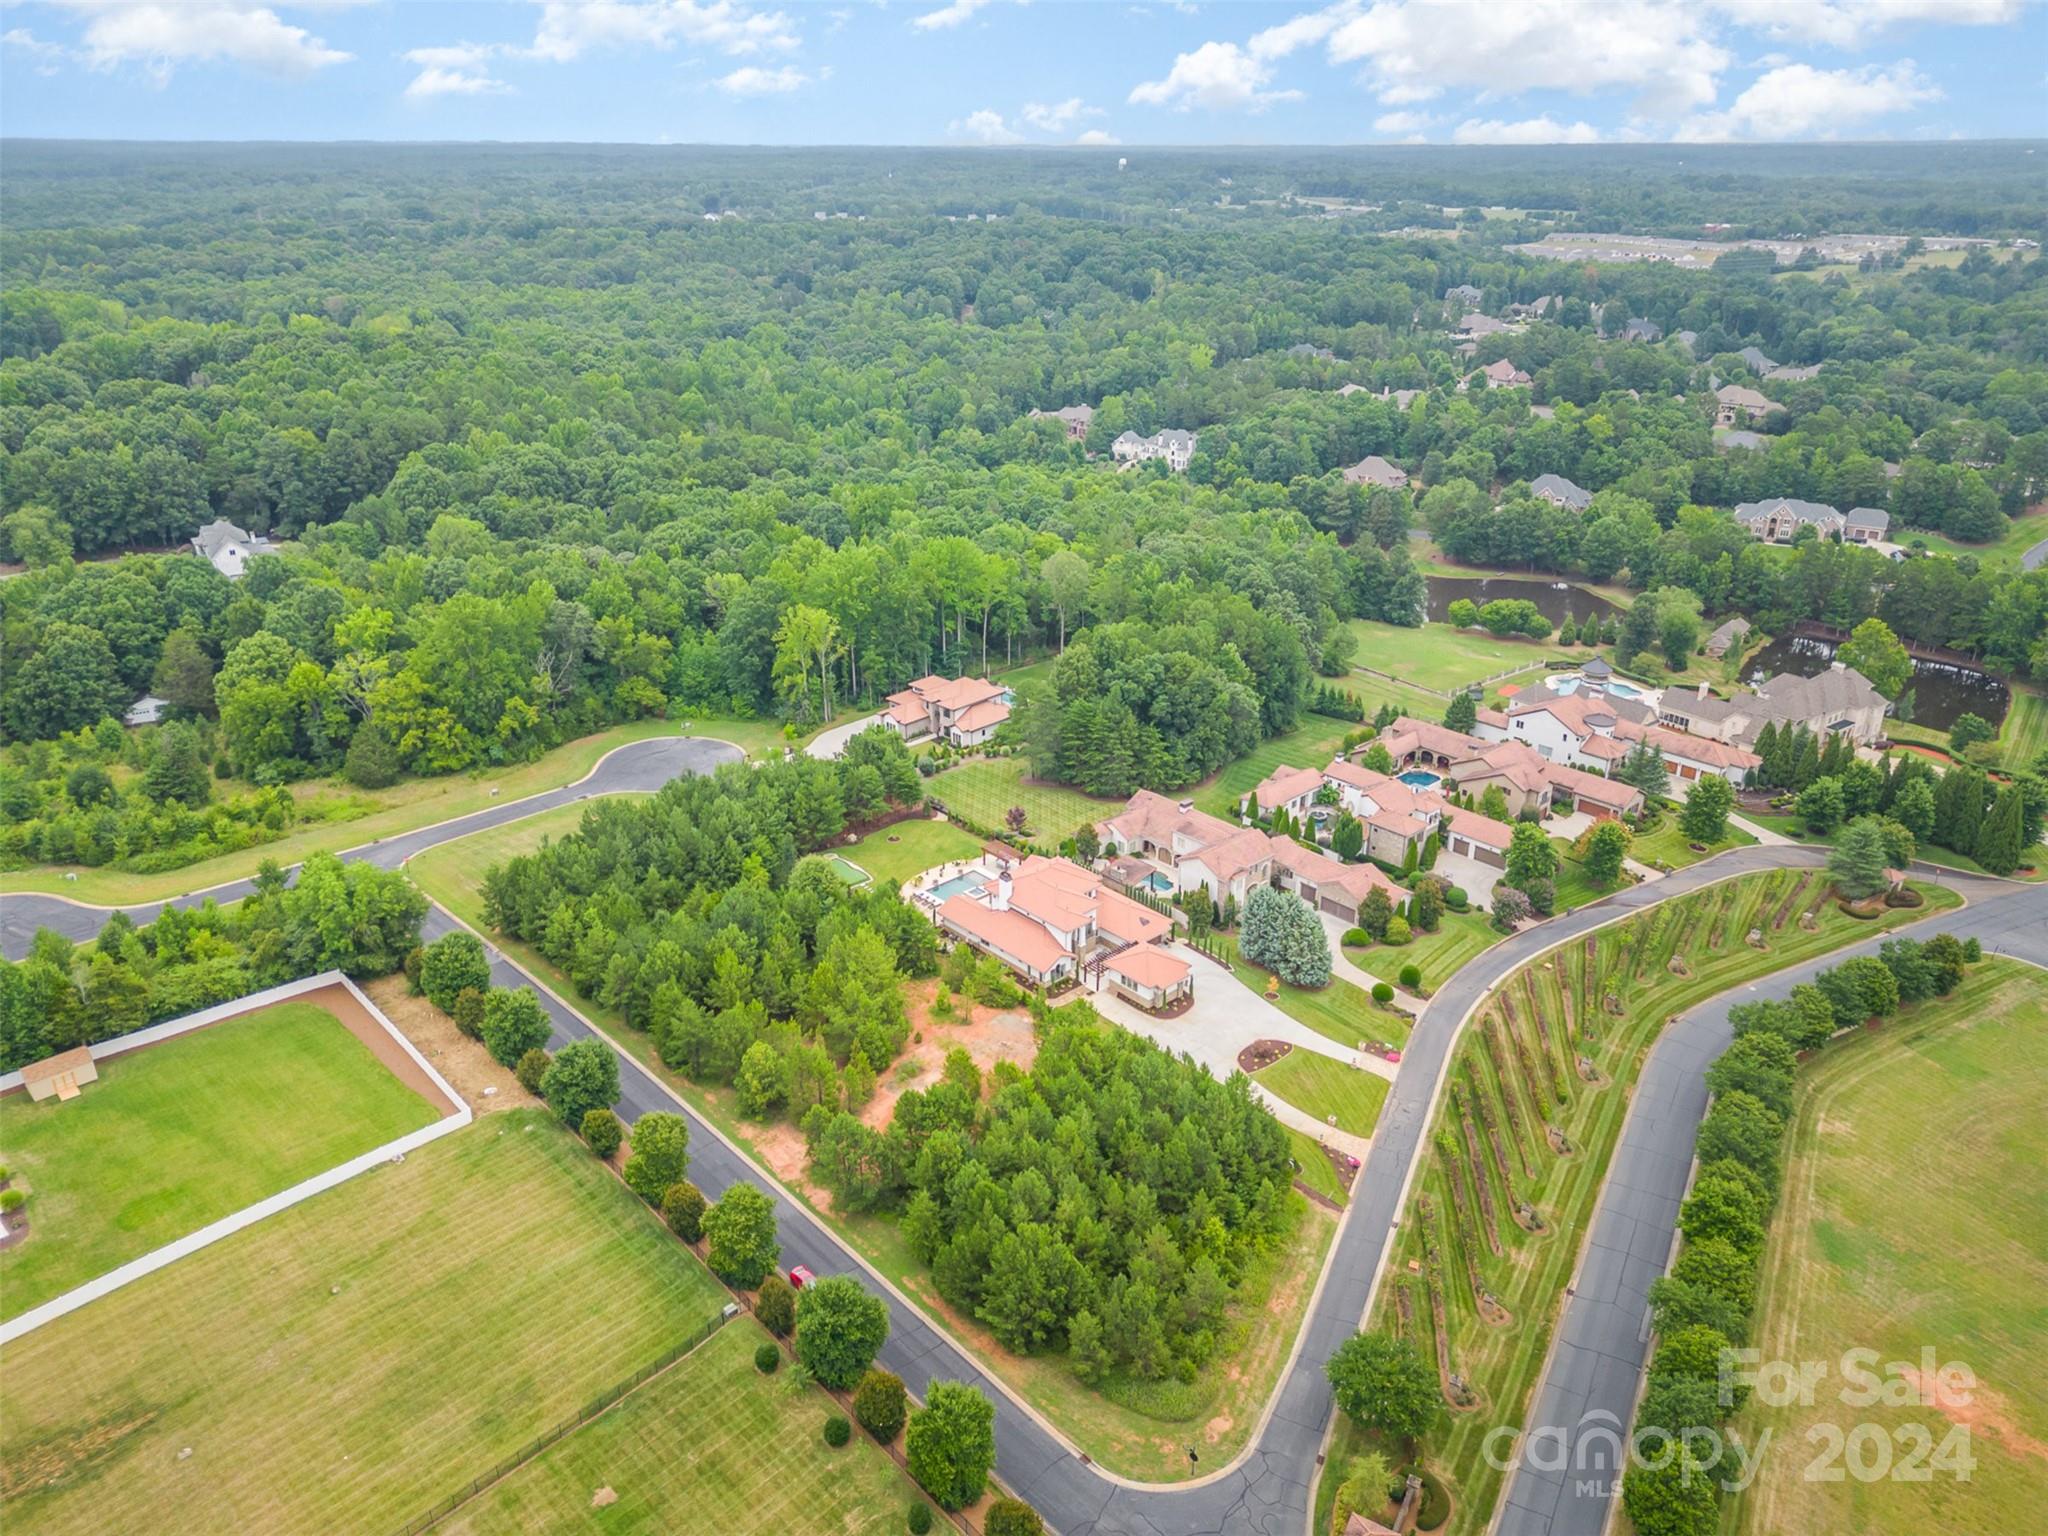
x=462 y=1061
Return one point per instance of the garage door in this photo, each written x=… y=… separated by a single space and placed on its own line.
x=1337 y=907
x=1489 y=856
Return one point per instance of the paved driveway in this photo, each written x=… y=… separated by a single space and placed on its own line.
x=831 y=743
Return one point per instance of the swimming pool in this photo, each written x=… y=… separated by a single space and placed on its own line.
x=958 y=884
x=1421 y=778
x=1568 y=682
x=1158 y=884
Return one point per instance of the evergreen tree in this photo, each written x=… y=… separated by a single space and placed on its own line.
x=1463 y=713
x=1998 y=846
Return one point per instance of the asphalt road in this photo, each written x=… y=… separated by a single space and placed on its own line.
x=1267 y=1491
x=1568 y=1475
x=639 y=765
x=2035 y=557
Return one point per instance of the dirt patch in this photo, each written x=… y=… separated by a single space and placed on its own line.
x=781 y=1146
x=604 y=1496
x=988 y=1035
x=65 y=1456
x=1261 y=1053
x=1978 y=1409
x=462 y=1061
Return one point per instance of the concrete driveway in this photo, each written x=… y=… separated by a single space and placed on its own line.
x=830 y=744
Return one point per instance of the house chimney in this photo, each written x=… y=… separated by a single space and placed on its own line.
x=1000 y=902
x=1838 y=666
x=1703 y=688
x=1186 y=806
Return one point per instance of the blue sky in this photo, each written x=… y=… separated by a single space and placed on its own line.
x=1001 y=72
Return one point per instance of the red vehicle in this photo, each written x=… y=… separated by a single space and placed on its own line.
x=800 y=1277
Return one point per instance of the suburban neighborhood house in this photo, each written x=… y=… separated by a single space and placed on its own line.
x=1191 y=847
x=228 y=547
x=1052 y=921
x=1398 y=817
x=1561 y=492
x=1075 y=418
x=1172 y=445
x=1779 y=520
x=1498 y=375
x=1496 y=757
x=1592 y=733
x=1374 y=470
x=1839 y=699
x=961 y=711
x=1739 y=406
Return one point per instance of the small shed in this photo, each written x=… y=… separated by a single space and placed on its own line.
x=60 y=1076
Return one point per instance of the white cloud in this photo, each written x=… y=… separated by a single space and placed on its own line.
x=47 y=56
x=1532 y=130
x=1298 y=32
x=984 y=127
x=161 y=36
x=1798 y=101
x=435 y=80
x=752 y=80
x=1219 y=76
x=1400 y=122
x=947 y=16
x=1059 y=116
x=569 y=28
x=1097 y=136
x=451 y=56
x=1658 y=49
x=1852 y=23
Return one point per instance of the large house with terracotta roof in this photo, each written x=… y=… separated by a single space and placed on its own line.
x=1192 y=846
x=1049 y=920
x=1328 y=884
x=1292 y=790
x=1592 y=731
x=1399 y=818
x=1499 y=756
x=961 y=711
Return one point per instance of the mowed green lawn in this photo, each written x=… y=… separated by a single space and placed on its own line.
x=353 y=1360
x=1309 y=745
x=1667 y=845
x=453 y=873
x=1912 y=1216
x=1441 y=656
x=1316 y=1171
x=709 y=1445
x=180 y=1134
x=1458 y=939
x=907 y=849
x=2024 y=735
x=1323 y=1086
x=983 y=791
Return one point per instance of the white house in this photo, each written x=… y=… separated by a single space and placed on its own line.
x=964 y=711
x=1172 y=445
x=228 y=547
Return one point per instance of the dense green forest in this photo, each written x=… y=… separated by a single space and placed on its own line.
x=545 y=446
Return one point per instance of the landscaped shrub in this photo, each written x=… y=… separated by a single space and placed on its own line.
x=414 y=958
x=682 y=1207
x=602 y=1130
x=1012 y=1517
x=583 y=1076
x=775 y=1306
x=920 y=1519
x=533 y=1066
x=468 y=1012
x=1411 y=977
x=452 y=962
x=12 y=1200
x=661 y=1151
x=1382 y=992
x=880 y=1403
x=1542 y=896
x=1357 y=936
x=1456 y=898
x=1510 y=907
x=840 y=1330
x=514 y=1023
x=951 y=1443
x=1284 y=936
x=837 y=1431
x=1434 y=1508
x=766 y=1358
x=1398 y=931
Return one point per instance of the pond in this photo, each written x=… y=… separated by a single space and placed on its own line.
x=1551 y=599
x=1941 y=692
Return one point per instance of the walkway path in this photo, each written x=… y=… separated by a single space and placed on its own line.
x=1586 y=1398
x=1761 y=833
x=2036 y=557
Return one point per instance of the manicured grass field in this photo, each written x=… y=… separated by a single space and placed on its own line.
x=2022 y=535
x=180 y=1134
x=404 y=807
x=1372 y=692
x=1309 y=745
x=908 y=848
x=2024 y=735
x=983 y=791
x=1912 y=1217
x=1457 y=941
x=453 y=873
x=709 y=1445
x=1574 y=887
x=1440 y=656
x=1791 y=826
x=1508 y=1078
x=1323 y=1086
x=1316 y=1171
x=1667 y=845
x=355 y=1359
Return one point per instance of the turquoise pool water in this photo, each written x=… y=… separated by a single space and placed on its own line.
x=953 y=887
x=1421 y=779
x=1569 y=683
x=1158 y=884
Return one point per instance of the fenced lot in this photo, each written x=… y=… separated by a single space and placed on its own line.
x=181 y=1133
x=709 y=1445
x=983 y=792
x=346 y=1362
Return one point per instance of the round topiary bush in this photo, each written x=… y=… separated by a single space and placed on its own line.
x=881 y=1404
x=766 y=1358
x=1356 y=938
x=920 y=1519
x=602 y=1130
x=838 y=1430
x=1411 y=977
x=1456 y=899
x=533 y=1066
x=12 y=1200
x=1434 y=1507
x=1382 y=993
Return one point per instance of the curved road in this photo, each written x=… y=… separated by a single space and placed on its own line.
x=2034 y=558
x=1265 y=1492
